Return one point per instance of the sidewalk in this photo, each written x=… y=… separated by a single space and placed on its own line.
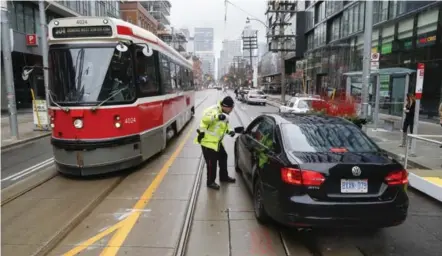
x=25 y=130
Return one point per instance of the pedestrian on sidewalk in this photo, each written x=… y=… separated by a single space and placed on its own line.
x=213 y=126
x=409 y=117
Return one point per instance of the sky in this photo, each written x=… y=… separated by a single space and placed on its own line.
x=210 y=13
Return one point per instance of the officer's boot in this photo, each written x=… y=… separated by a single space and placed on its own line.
x=213 y=186
x=228 y=180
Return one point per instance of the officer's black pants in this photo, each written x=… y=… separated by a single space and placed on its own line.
x=212 y=158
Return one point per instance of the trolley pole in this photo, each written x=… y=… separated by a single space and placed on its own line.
x=7 y=62
x=44 y=48
x=367 y=56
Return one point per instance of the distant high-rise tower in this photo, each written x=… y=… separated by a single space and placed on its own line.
x=203 y=47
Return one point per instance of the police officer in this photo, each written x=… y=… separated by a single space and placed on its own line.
x=213 y=126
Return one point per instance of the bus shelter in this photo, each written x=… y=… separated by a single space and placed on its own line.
x=400 y=77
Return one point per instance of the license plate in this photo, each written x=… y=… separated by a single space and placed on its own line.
x=354 y=186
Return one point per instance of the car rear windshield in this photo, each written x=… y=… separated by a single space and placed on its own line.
x=326 y=138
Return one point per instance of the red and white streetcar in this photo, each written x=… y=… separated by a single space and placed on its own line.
x=117 y=94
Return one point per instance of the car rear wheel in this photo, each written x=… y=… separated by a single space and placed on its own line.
x=258 y=205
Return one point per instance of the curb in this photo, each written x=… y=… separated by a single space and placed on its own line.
x=424 y=186
x=24 y=141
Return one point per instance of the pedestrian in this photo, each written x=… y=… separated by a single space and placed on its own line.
x=409 y=117
x=213 y=126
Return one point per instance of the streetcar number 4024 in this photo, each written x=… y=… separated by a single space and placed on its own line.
x=130 y=120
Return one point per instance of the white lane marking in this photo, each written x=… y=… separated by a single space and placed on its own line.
x=34 y=170
x=30 y=169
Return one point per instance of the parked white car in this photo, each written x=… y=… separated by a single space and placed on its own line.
x=256 y=97
x=298 y=105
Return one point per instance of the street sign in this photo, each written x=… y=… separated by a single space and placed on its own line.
x=31 y=40
x=375 y=56
x=374 y=64
x=419 y=80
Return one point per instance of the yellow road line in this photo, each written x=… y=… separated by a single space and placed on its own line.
x=435 y=180
x=94 y=239
x=120 y=236
x=123 y=227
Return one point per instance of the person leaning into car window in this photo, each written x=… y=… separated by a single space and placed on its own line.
x=264 y=136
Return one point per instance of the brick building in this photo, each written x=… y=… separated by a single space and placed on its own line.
x=135 y=13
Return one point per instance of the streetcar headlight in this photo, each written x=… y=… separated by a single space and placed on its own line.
x=117 y=124
x=105 y=21
x=52 y=125
x=78 y=123
x=56 y=23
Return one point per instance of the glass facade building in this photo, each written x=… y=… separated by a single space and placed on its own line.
x=404 y=33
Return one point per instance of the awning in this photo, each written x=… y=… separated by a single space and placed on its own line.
x=383 y=71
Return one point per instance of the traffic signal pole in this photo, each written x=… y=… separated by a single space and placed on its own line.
x=9 y=76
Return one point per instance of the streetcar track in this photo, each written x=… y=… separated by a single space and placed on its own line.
x=71 y=224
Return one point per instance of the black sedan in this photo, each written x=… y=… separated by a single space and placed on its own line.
x=319 y=171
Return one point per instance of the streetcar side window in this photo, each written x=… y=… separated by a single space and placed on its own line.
x=165 y=74
x=185 y=79
x=179 y=80
x=146 y=75
x=191 y=83
x=173 y=75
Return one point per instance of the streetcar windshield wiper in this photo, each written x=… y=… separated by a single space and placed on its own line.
x=108 y=98
x=65 y=109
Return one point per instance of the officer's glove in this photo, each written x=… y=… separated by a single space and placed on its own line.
x=200 y=136
x=231 y=133
x=222 y=117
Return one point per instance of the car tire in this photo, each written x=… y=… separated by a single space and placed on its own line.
x=258 y=206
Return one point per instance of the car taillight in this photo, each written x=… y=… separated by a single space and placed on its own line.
x=397 y=178
x=301 y=177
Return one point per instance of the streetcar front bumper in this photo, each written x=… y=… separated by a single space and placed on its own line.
x=93 y=157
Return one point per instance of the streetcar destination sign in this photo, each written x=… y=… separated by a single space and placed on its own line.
x=91 y=31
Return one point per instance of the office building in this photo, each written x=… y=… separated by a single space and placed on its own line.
x=25 y=22
x=203 y=38
x=207 y=63
x=405 y=33
x=135 y=13
x=231 y=48
x=160 y=10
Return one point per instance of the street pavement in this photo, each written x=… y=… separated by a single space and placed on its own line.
x=142 y=211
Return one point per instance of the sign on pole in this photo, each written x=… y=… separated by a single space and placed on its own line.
x=375 y=60
x=419 y=80
x=418 y=95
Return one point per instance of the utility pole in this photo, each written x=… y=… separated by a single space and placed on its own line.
x=280 y=9
x=367 y=56
x=44 y=48
x=250 y=43
x=281 y=34
x=7 y=62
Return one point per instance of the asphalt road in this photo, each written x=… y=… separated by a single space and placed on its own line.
x=421 y=234
x=19 y=163
x=223 y=224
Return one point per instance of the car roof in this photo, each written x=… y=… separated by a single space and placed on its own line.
x=304 y=98
x=296 y=118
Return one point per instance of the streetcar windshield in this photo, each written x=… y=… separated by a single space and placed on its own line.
x=90 y=75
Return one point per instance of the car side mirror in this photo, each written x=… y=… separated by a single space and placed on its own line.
x=239 y=129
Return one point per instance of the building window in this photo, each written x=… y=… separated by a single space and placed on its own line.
x=19 y=13
x=336 y=27
x=361 y=16
x=344 y=24
x=427 y=21
x=393 y=9
x=29 y=19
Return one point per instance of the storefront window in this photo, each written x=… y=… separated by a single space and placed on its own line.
x=405 y=28
x=427 y=21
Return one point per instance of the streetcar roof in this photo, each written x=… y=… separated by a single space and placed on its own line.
x=120 y=30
